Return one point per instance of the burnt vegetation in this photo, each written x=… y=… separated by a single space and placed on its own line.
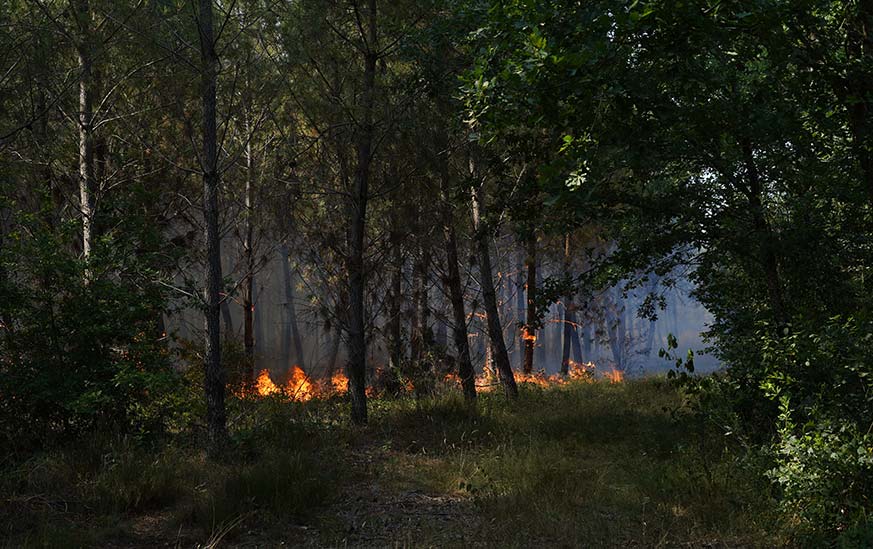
x=436 y=273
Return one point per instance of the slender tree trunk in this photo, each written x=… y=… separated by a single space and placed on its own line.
x=249 y=259
x=520 y=305
x=421 y=308
x=395 y=320
x=292 y=330
x=85 y=49
x=456 y=294
x=357 y=364
x=216 y=420
x=574 y=340
x=586 y=341
x=569 y=331
x=415 y=333
x=227 y=318
x=530 y=333
x=495 y=331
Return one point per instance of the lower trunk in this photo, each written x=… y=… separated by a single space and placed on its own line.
x=569 y=336
x=334 y=354
x=574 y=341
x=459 y=316
x=227 y=318
x=520 y=305
x=292 y=330
x=395 y=317
x=530 y=337
x=489 y=297
x=569 y=330
x=249 y=327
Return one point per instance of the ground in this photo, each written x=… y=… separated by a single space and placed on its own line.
x=586 y=464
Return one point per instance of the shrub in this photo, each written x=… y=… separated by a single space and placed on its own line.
x=821 y=374
x=81 y=349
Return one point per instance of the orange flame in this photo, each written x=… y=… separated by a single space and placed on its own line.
x=298 y=386
x=339 y=382
x=614 y=376
x=487 y=380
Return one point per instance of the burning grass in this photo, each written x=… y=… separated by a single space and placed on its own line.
x=296 y=385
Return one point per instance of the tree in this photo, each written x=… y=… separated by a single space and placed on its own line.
x=214 y=384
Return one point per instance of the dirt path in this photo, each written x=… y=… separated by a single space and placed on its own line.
x=375 y=513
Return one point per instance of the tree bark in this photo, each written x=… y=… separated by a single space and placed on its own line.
x=216 y=419
x=249 y=260
x=85 y=50
x=357 y=344
x=456 y=293
x=530 y=333
x=495 y=332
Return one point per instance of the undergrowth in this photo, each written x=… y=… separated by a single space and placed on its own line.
x=586 y=464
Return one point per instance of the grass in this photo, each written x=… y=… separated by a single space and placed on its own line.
x=597 y=465
x=589 y=464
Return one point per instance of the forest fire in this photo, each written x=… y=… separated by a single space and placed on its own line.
x=300 y=387
x=587 y=372
x=297 y=386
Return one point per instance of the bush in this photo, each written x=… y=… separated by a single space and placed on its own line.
x=81 y=349
x=826 y=475
x=820 y=374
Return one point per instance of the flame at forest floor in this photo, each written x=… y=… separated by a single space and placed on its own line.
x=298 y=386
x=576 y=372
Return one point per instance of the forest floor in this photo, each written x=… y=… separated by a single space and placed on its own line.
x=586 y=464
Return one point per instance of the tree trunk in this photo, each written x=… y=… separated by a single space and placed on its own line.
x=216 y=420
x=495 y=332
x=569 y=331
x=456 y=294
x=574 y=340
x=227 y=319
x=765 y=234
x=249 y=260
x=520 y=305
x=357 y=344
x=292 y=330
x=85 y=49
x=530 y=333
x=395 y=315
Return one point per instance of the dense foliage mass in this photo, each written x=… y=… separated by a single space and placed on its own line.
x=375 y=146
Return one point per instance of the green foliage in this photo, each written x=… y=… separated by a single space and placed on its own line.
x=825 y=471
x=820 y=374
x=81 y=347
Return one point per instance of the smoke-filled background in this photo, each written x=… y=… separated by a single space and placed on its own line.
x=291 y=328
